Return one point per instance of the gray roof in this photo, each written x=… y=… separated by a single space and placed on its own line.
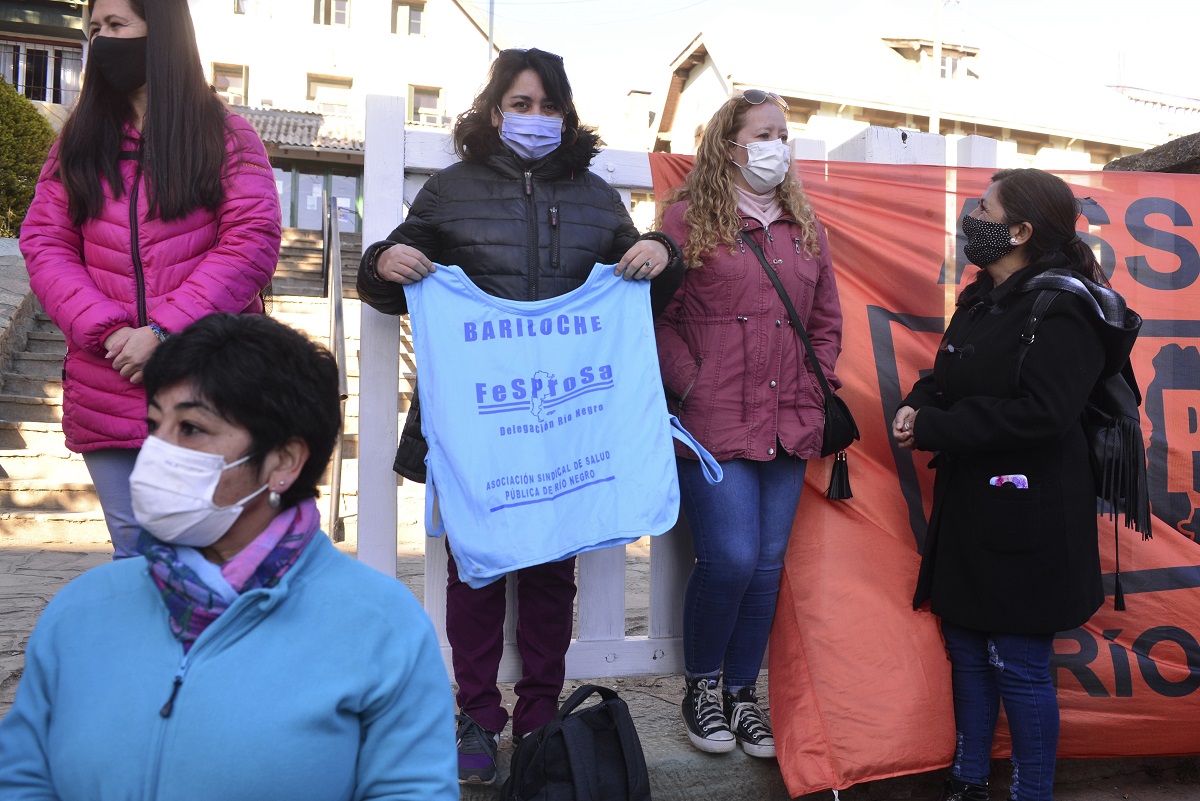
x=839 y=52
x=304 y=129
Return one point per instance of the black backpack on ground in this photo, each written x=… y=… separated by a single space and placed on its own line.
x=590 y=754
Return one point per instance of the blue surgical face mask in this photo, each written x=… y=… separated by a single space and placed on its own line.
x=531 y=136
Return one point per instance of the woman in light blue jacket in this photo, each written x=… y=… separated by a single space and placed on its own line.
x=242 y=656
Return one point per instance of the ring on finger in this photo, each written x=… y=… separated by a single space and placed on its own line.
x=649 y=264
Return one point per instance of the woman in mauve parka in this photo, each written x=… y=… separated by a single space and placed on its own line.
x=741 y=383
x=156 y=207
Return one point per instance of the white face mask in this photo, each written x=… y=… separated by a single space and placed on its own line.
x=173 y=488
x=768 y=164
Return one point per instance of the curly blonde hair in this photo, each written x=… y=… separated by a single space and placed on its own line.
x=712 y=216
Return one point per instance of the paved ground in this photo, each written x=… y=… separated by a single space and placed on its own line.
x=30 y=575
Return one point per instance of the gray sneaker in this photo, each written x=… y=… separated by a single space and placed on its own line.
x=476 y=752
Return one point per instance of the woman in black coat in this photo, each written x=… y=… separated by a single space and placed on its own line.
x=1011 y=555
x=525 y=219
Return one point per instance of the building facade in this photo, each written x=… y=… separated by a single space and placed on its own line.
x=852 y=69
x=300 y=71
x=41 y=48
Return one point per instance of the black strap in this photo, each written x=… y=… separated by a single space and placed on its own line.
x=1029 y=333
x=791 y=310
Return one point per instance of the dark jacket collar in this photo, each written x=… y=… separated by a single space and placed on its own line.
x=567 y=159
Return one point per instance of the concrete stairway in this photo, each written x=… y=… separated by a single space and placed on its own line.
x=299 y=270
x=46 y=495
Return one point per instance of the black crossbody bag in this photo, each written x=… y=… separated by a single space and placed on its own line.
x=840 y=428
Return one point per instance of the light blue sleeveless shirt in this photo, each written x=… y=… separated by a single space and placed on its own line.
x=547 y=426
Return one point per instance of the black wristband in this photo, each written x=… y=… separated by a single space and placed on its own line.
x=373 y=258
x=673 y=252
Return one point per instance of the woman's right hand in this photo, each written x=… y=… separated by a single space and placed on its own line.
x=403 y=264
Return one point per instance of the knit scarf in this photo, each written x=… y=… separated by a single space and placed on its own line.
x=192 y=605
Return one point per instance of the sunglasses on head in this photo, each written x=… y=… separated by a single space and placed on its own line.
x=757 y=96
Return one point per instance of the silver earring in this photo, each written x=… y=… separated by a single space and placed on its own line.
x=273 y=499
x=1012 y=240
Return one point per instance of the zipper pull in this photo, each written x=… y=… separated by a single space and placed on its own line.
x=796 y=241
x=770 y=238
x=170 y=704
x=529 y=182
x=554 y=216
x=741 y=245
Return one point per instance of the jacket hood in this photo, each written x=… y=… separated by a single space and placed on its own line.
x=1118 y=324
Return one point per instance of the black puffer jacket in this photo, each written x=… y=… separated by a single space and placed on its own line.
x=520 y=231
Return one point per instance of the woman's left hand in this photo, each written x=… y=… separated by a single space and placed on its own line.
x=135 y=353
x=645 y=260
x=902 y=427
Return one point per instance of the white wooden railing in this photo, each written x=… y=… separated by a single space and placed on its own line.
x=601 y=647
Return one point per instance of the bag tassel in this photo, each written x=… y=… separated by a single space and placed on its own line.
x=1118 y=590
x=1125 y=485
x=839 y=479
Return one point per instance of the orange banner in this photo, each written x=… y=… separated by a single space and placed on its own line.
x=861 y=683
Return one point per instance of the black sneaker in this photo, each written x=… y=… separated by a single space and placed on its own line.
x=956 y=790
x=750 y=723
x=476 y=752
x=706 y=724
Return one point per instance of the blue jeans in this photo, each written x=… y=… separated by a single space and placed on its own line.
x=1014 y=668
x=740 y=529
x=110 y=469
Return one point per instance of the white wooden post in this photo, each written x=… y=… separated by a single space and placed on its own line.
x=978 y=151
x=808 y=149
x=379 y=348
x=892 y=146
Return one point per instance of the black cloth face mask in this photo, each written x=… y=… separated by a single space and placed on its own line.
x=122 y=62
x=987 y=241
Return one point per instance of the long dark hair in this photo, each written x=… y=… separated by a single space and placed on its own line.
x=1047 y=203
x=183 y=136
x=475 y=138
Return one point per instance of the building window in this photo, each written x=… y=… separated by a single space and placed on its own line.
x=232 y=82
x=950 y=66
x=242 y=6
x=46 y=72
x=300 y=186
x=407 y=17
x=425 y=106
x=329 y=94
x=331 y=12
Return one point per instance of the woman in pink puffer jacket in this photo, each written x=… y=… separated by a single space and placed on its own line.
x=155 y=208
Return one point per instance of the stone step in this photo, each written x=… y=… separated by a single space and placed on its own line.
x=296 y=285
x=41 y=437
x=24 y=407
x=42 y=322
x=35 y=386
x=49 y=467
x=40 y=497
x=22 y=527
x=46 y=365
x=46 y=342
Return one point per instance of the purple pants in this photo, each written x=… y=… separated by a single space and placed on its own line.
x=475 y=629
